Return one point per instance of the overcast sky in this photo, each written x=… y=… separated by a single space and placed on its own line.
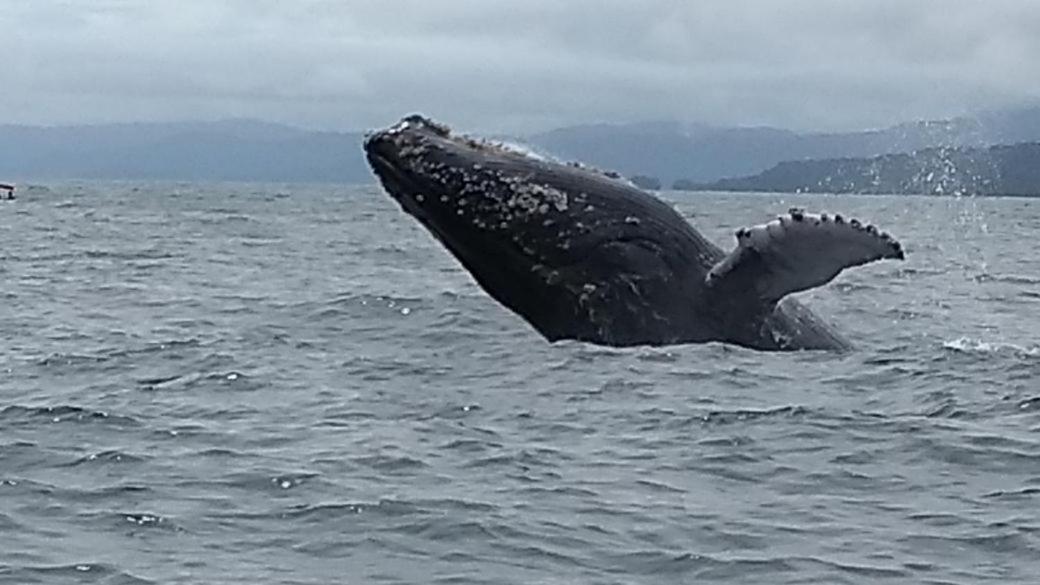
x=509 y=65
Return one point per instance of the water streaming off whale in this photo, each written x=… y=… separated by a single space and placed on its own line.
x=295 y=384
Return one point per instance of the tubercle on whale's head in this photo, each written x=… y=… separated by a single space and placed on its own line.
x=410 y=122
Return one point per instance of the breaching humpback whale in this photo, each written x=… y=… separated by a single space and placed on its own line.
x=585 y=255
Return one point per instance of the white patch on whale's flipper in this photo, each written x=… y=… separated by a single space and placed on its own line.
x=798 y=251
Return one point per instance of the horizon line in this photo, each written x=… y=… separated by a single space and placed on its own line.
x=617 y=123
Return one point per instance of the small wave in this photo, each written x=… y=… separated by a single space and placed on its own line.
x=391 y=249
x=144 y=254
x=64 y=413
x=449 y=323
x=369 y=300
x=1029 y=404
x=950 y=409
x=728 y=417
x=910 y=271
x=388 y=508
x=446 y=529
x=978 y=346
x=1007 y=543
x=1006 y=278
x=149 y=520
x=76 y=359
x=853 y=287
x=228 y=380
x=162 y=381
x=288 y=482
x=661 y=487
x=379 y=369
x=470 y=446
x=41 y=257
x=900 y=314
x=228 y=217
x=524 y=459
x=442 y=505
x=129 y=522
x=1026 y=493
x=701 y=566
x=389 y=464
x=323 y=512
x=78 y=573
x=161 y=346
x=867 y=571
x=352 y=305
x=272 y=483
x=71 y=359
x=111 y=493
x=658 y=355
x=106 y=458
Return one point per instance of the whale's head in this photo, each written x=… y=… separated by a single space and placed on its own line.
x=461 y=188
x=436 y=177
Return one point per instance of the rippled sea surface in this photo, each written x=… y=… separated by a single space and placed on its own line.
x=296 y=384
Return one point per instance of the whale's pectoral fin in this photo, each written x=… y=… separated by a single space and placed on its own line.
x=798 y=251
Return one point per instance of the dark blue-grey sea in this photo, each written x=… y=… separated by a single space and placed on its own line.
x=235 y=383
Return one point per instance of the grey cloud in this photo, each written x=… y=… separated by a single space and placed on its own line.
x=510 y=65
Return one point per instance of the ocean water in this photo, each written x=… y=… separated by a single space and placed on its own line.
x=296 y=384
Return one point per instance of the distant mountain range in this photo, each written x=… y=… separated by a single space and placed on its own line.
x=673 y=151
x=230 y=150
x=250 y=150
x=995 y=170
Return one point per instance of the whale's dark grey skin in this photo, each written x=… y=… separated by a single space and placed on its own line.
x=581 y=254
